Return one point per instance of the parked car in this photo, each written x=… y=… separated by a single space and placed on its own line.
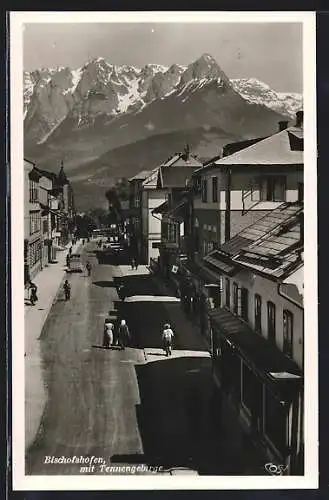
x=75 y=264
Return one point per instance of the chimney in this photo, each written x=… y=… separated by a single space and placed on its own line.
x=299 y=118
x=187 y=152
x=283 y=125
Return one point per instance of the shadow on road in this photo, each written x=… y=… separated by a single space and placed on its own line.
x=104 y=284
x=112 y=347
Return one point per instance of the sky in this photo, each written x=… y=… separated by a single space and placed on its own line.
x=271 y=52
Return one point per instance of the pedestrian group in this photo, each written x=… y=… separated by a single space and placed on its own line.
x=122 y=335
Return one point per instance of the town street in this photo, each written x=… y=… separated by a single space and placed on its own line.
x=127 y=407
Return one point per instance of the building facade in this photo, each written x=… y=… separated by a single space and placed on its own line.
x=32 y=222
x=48 y=217
x=236 y=190
x=257 y=333
x=155 y=189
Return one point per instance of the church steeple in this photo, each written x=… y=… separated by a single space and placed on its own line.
x=62 y=179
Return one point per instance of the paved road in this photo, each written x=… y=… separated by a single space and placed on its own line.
x=92 y=392
x=126 y=407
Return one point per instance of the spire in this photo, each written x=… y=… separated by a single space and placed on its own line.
x=62 y=179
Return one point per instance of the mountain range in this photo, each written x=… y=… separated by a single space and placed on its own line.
x=106 y=121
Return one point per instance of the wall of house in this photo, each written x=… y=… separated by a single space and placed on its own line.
x=268 y=290
x=209 y=204
x=27 y=169
x=245 y=205
x=248 y=180
x=155 y=198
x=207 y=224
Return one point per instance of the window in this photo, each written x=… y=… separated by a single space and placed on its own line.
x=33 y=191
x=197 y=185
x=258 y=313
x=273 y=188
x=288 y=324
x=45 y=226
x=204 y=193
x=271 y=321
x=235 y=298
x=215 y=189
x=35 y=222
x=35 y=252
x=227 y=293
x=244 y=304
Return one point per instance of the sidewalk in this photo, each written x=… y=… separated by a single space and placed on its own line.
x=48 y=282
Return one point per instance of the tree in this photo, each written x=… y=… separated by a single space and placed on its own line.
x=99 y=215
x=114 y=195
x=85 y=225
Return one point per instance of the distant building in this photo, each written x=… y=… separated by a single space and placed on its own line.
x=156 y=188
x=135 y=207
x=32 y=222
x=48 y=216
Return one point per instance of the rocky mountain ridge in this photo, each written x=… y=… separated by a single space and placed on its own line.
x=99 y=88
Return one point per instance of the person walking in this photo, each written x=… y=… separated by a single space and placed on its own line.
x=33 y=294
x=67 y=290
x=68 y=260
x=70 y=251
x=167 y=338
x=108 y=333
x=123 y=335
x=88 y=268
x=121 y=292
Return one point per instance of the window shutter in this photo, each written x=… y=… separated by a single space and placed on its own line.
x=239 y=301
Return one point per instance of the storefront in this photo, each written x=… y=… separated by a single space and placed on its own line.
x=205 y=288
x=265 y=386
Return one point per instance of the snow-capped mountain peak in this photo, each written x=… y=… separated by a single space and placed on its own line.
x=99 y=88
x=258 y=92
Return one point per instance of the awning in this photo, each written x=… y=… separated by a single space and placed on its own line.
x=269 y=362
x=217 y=264
x=202 y=272
x=161 y=208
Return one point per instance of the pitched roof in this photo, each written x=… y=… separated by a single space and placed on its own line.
x=180 y=160
x=141 y=175
x=151 y=179
x=284 y=148
x=272 y=245
x=162 y=208
x=46 y=173
x=171 y=177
